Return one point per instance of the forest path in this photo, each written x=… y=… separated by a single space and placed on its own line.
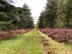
x=32 y=43
x=39 y=43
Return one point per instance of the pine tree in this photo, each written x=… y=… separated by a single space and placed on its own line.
x=12 y=17
x=26 y=21
x=69 y=13
x=50 y=13
x=61 y=20
x=40 y=21
x=64 y=16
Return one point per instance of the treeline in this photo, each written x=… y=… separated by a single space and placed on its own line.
x=57 y=14
x=12 y=17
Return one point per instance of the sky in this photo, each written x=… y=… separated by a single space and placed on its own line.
x=36 y=7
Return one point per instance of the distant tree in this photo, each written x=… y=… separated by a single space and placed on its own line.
x=68 y=8
x=64 y=16
x=50 y=13
x=40 y=21
x=26 y=21
x=57 y=14
x=61 y=20
x=18 y=17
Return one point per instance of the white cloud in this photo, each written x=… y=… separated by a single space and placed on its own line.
x=36 y=6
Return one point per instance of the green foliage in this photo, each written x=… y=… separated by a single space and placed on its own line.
x=64 y=14
x=3 y=16
x=40 y=21
x=19 y=17
x=58 y=14
x=25 y=20
x=61 y=15
x=6 y=25
x=49 y=15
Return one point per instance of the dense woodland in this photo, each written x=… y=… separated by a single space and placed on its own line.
x=54 y=35
x=57 y=14
x=12 y=17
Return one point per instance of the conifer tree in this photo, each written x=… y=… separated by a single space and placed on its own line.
x=50 y=13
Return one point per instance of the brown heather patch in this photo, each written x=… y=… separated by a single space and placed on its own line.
x=4 y=35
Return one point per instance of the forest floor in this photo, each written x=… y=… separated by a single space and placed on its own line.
x=34 y=42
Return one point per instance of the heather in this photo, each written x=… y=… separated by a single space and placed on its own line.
x=59 y=35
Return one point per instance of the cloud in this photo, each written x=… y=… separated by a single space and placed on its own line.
x=36 y=6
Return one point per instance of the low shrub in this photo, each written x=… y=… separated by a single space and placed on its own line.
x=60 y=35
x=5 y=35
